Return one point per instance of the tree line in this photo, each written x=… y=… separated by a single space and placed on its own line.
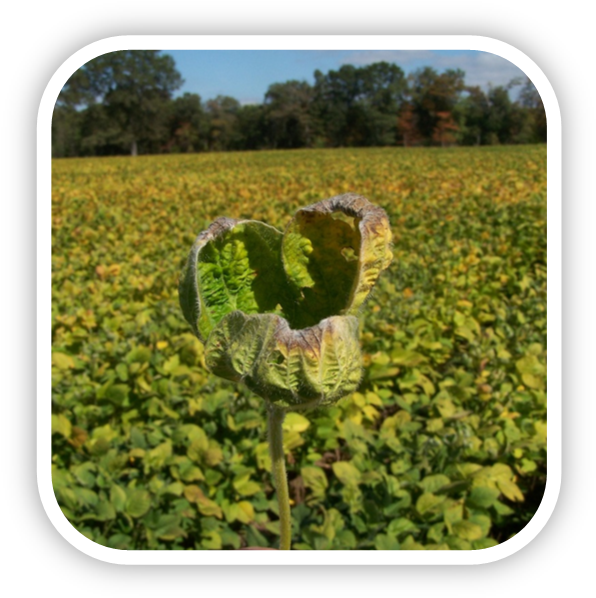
x=122 y=103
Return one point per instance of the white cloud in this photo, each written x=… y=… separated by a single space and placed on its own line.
x=481 y=68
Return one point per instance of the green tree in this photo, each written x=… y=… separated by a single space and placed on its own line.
x=359 y=105
x=188 y=124
x=252 y=127
x=501 y=115
x=224 y=131
x=100 y=134
x=432 y=96
x=134 y=87
x=531 y=100
x=288 y=111
x=472 y=113
x=66 y=132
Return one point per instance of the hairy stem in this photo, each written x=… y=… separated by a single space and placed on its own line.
x=278 y=468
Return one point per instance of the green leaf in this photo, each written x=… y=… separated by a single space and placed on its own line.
x=294 y=422
x=116 y=393
x=119 y=542
x=510 y=489
x=139 y=355
x=198 y=447
x=118 y=497
x=62 y=361
x=175 y=488
x=288 y=367
x=502 y=509
x=104 y=432
x=530 y=365
x=158 y=456
x=230 y=538
x=315 y=479
x=122 y=371
x=427 y=502
x=189 y=472
x=233 y=265
x=466 y=333
x=467 y=530
x=86 y=497
x=432 y=483
x=345 y=540
x=209 y=508
x=211 y=541
x=456 y=543
x=61 y=425
x=535 y=382
x=84 y=473
x=245 y=511
x=400 y=526
x=168 y=527
x=333 y=252
x=347 y=473
x=332 y=523
x=452 y=513
x=404 y=357
x=386 y=542
x=483 y=521
x=137 y=503
x=245 y=486
x=255 y=538
x=483 y=543
x=482 y=497
x=410 y=544
x=105 y=511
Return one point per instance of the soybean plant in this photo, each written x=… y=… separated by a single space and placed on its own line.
x=279 y=311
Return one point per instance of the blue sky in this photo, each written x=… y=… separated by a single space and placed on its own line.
x=246 y=74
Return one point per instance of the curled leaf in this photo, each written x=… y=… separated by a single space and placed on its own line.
x=277 y=311
x=233 y=265
x=296 y=368
x=333 y=253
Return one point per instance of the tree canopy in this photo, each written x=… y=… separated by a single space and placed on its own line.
x=122 y=102
x=132 y=90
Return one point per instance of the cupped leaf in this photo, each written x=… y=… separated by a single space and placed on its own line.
x=333 y=252
x=289 y=368
x=233 y=265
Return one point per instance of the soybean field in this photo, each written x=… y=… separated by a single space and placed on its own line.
x=443 y=446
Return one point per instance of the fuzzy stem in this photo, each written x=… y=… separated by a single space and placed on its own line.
x=278 y=468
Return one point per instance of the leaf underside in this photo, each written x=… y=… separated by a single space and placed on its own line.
x=277 y=310
x=308 y=367
x=333 y=253
x=320 y=256
x=236 y=266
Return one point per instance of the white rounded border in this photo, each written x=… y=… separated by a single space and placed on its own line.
x=44 y=296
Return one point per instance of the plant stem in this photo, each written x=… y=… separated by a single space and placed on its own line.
x=278 y=468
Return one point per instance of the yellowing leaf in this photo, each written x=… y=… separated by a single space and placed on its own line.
x=294 y=422
x=510 y=489
x=61 y=425
x=62 y=361
x=347 y=473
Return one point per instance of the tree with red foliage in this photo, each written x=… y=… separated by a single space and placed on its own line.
x=445 y=128
x=407 y=126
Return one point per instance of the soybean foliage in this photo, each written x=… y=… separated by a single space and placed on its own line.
x=442 y=447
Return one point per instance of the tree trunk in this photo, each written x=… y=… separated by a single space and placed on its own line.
x=133 y=148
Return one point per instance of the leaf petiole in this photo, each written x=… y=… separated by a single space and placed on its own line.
x=278 y=468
